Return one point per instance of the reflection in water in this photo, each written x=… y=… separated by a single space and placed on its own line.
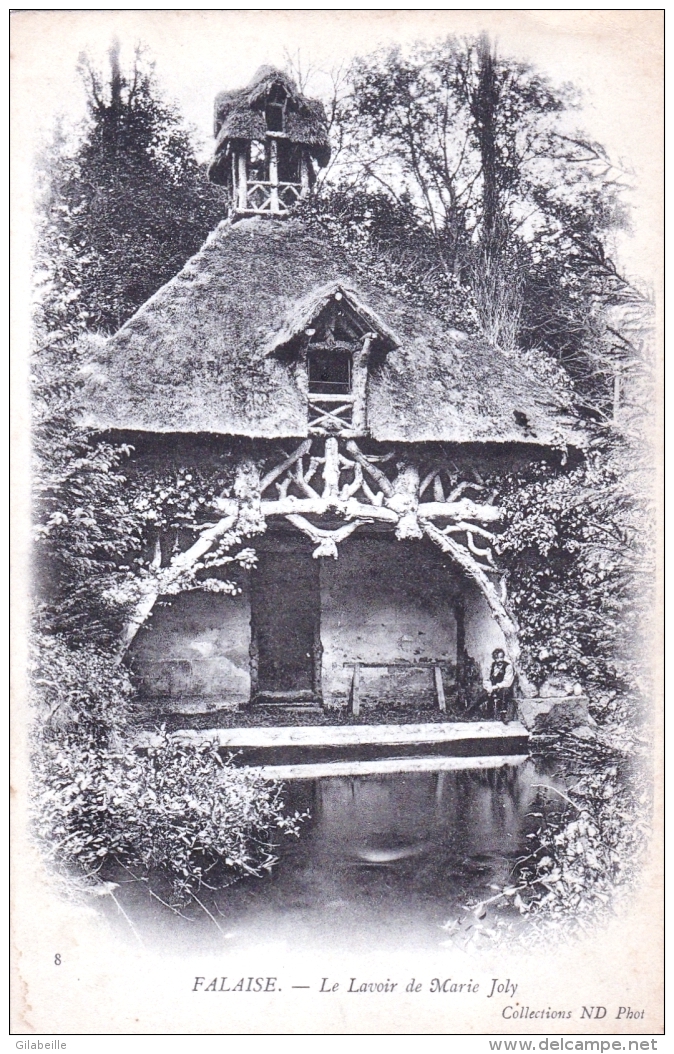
x=384 y=859
x=406 y=845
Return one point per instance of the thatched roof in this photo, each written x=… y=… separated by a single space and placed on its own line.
x=240 y=114
x=202 y=355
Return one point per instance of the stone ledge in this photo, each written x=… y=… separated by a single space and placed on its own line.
x=386 y=766
x=346 y=735
x=329 y=744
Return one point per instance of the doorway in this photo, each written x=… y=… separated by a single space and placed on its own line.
x=285 y=626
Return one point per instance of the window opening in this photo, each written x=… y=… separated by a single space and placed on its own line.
x=275 y=110
x=289 y=157
x=334 y=344
x=258 y=160
x=329 y=371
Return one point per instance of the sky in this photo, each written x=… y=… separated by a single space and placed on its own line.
x=613 y=57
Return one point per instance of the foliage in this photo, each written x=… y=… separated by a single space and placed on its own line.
x=176 y=808
x=128 y=205
x=80 y=689
x=465 y=183
x=84 y=530
x=503 y=195
x=393 y=246
x=581 y=857
x=122 y=208
x=123 y=205
x=589 y=824
x=573 y=548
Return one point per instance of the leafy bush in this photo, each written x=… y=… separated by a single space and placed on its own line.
x=78 y=688
x=583 y=857
x=576 y=550
x=584 y=851
x=176 y=808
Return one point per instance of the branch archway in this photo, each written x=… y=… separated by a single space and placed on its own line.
x=356 y=489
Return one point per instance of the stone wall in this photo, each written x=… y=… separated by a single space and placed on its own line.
x=381 y=601
x=193 y=653
x=386 y=601
x=483 y=634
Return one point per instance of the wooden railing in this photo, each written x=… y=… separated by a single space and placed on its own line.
x=275 y=199
x=329 y=414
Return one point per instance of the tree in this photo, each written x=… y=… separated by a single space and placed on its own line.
x=516 y=204
x=464 y=182
x=130 y=204
x=124 y=203
x=121 y=211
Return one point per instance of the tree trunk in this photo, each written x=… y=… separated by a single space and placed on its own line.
x=163 y=579
x=484 y=104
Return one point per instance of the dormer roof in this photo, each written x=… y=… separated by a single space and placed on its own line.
x=204 y=354
x=302 y=314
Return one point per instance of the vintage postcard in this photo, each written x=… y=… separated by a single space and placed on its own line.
x=336 y=637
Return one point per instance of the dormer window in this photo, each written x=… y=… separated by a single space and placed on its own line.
x=334 y=345
x=330 y=371
x=275 y=108
x=334 y=341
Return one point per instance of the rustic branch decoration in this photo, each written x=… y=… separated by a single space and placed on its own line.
x=278 y=470
x=495 y=600
x=326 y=541
x=161 y=581
x=395 y=504
x=376 y=473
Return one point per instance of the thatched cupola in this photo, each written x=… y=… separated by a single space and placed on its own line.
x=269 y=137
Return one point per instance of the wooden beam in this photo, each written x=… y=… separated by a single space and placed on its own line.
x=405 y=502
x=398 y=664
x=458 y=510
x=349 y=489
x=439 y=688
x=242 y=180
x=278 y=470
x=301 y=482
x=352 y=508
x=331 y=471
x=325 y=540
x=327 y=397
x=426 y=482
x=163 y=578
x=355 y=690
x=304 y=173
x=361 y=360
x=273 y=176
x=331 y=417
x=461 y=655
x=375 y=473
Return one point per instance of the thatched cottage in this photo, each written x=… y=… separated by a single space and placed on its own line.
x=363 y=427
